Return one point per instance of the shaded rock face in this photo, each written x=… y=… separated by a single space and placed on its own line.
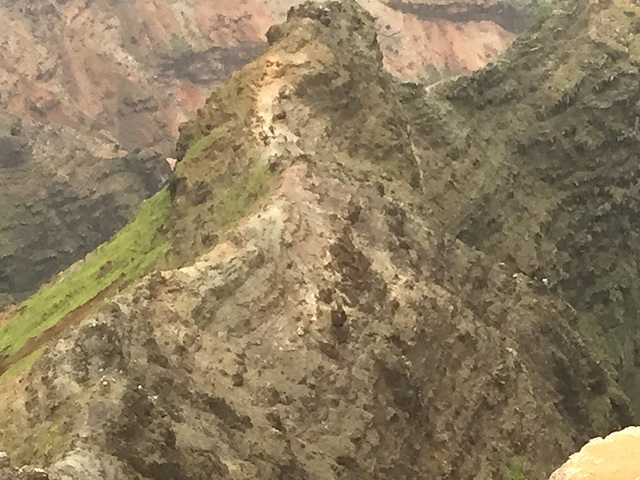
x=612 y=458
x=561 y=205
x=510 y=15
x=341 y=301
x=63 y=194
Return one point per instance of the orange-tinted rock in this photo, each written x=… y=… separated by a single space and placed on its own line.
x=616 y=457
x=79 y=64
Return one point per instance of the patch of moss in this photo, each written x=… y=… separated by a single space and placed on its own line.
x=21 y=365
x=542 y=10
x=198 y=226
x=230 y=104
x=178 y=45
x=599 y=410
x=46 y=441
x=131 y=253
x=564 y=80
x=602 y=346
x=634 y=49
x=221 y=175
x=197 y=147
x=50 y=439
x=232 y=202
x=513 y=469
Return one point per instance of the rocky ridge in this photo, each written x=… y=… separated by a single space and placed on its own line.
x=558 y=143
x=94 y=83
x=363 y=278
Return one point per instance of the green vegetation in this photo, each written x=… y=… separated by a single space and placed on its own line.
x=221 y=175
x=197 y=225
x=131 y=253
x=134 y=251
x=234 y=200
x=178 y=45
x=49 y=438
x=198 y=147
x=513 y=469
x=221 y=178
x=541 y=11
x=21 y=364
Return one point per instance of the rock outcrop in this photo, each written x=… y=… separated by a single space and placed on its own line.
x=24 y=473
x=351 y=277
x=612 y=458
x=86 y=85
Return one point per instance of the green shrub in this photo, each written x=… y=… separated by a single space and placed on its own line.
x=134 y=251
x=513 y=469
x=542 y=10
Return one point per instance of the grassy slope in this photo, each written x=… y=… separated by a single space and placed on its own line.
x=223 y=176
x=136 y=250
x=131 y=253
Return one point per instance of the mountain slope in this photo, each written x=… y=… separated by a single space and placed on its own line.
x=535 y=162
x=349 y=288
x=64 y=193
x=136 y=68
x=86 y=85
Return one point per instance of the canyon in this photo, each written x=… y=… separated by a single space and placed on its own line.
x=93 y=94
x=351 y=276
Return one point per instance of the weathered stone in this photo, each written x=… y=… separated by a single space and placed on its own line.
x=612 y=458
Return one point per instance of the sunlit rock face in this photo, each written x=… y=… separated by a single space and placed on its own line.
x=616 y=457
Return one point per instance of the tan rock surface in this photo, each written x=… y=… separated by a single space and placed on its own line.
x=113 y=76
x=414 y=48
x=616 y=457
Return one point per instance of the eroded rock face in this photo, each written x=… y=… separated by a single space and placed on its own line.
x=612 y=458
x=24 y=473
x=93 y=82
x=322 y=319
x=137 y=68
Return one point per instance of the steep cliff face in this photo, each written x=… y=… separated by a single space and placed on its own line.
x=102 y=65
x=534 y=161
x=62 y=195
x=92 y=82
x=136 y=68
x=351 y=277
x=428 y=40
x=511 y=15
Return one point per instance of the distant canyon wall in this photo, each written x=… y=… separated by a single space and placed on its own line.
x=136 y=69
